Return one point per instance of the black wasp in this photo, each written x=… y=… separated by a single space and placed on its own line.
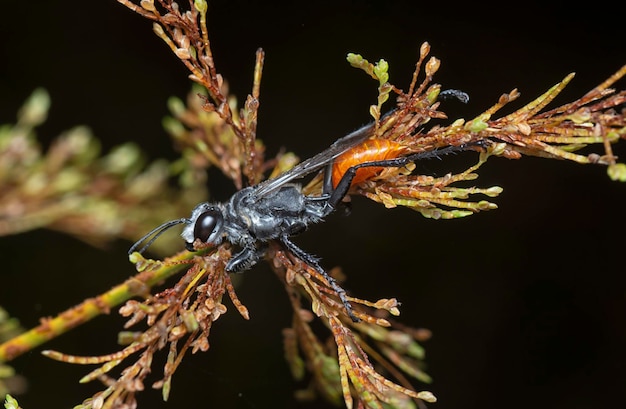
x=276 y=209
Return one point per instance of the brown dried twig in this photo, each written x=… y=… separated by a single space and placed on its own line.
x=185 y=32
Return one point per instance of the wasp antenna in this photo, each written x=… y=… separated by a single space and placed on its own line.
x=157 y=232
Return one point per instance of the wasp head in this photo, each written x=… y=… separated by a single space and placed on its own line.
x=206 y=224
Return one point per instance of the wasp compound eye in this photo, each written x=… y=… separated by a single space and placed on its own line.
x=207 y=225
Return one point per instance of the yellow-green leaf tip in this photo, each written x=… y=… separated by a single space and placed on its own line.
x=354 y=59
x=427 y=396
x=200 y=5
x=35 y=110
x=617 y=172
x=380 y=70
x=10 y=402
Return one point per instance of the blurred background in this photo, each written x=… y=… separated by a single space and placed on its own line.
x=527 y=303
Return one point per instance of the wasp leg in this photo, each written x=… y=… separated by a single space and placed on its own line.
x=344 y=206
x=313 y=262
x=245 y=259
x=327 y=187
x=343 y=186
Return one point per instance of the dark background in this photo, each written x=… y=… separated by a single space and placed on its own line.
x=527 y=303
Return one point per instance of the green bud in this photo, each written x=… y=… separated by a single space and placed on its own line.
x=35 y=110
x=200 y=5
x=617 y=172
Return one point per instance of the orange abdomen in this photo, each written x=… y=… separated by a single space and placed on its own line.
x=368 y=151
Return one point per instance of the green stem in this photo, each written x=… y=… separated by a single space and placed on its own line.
x=151 y=273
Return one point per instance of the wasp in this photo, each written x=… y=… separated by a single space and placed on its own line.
x=277 y=209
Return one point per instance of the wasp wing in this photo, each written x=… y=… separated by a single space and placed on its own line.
x=316 y=162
